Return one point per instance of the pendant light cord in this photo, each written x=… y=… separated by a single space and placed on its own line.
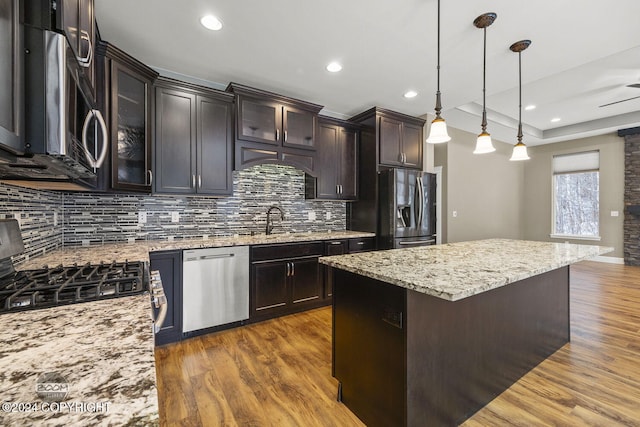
x=484 y=83
x=438 y=67
x=520 y=97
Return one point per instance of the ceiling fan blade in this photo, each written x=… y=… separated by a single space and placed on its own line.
x=617 y=102
x=636 y=85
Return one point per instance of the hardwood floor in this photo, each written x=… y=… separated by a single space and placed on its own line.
x=278 y=373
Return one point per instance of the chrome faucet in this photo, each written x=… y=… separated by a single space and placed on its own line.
x=269 y=221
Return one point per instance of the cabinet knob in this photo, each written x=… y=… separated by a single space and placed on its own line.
x=285 y=136
x=193 y=181
x=277 y=134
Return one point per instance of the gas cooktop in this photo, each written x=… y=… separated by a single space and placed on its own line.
x=48 y=287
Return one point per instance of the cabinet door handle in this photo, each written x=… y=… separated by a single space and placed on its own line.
x=150 y=176
x=335 y=243
x=293 y=269
x=277 y=134
x=341 y=192
x=193 y=181
x=337 y=189
x=199 y=181
x=285 y=136
x=288 y=269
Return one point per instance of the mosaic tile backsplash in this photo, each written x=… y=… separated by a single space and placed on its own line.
x=39 y=214
x=94 y=218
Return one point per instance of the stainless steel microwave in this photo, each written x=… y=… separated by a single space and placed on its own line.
x=65 y=135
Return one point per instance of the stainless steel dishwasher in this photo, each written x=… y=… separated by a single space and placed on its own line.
x=215 y=287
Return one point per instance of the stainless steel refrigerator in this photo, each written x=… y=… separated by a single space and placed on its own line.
x=406 y=208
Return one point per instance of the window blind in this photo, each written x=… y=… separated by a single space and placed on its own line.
x=587 y=161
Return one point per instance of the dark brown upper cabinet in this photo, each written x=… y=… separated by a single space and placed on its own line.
x=272 y=128
x=126 y=99
x=76 y=19
x=399 y=137
x=11 y=68
x=337 y=155
x=193 y=141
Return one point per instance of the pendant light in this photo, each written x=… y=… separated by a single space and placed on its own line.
x=483 y=143
x=438 y=131
x=520 y=150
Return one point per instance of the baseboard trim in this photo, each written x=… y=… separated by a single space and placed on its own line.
x=608 y=259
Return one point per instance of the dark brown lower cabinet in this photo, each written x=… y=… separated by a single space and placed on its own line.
x=169 y=264
x=341 y=247
x=285 y=279
x=404 y=358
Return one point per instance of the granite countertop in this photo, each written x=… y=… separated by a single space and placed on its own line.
x=139 y=251
x=458 y=270
x=102 y=349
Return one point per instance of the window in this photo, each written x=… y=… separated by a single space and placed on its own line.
x=576 y=195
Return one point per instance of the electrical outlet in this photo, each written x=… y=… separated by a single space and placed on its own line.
x=142 y=217
x=18 y=217
x=615 y=213
x=175 y=216
x=86 y=242
x=312 y=216
x=55 y=219
x=327 y=215
x=131 y=240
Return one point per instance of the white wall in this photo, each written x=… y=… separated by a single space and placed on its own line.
x=486 y=191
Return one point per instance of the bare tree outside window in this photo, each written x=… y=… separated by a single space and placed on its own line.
x=577 y=204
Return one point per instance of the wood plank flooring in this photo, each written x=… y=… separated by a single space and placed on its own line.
x=278 y=372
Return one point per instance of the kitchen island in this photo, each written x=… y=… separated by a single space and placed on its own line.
x=429 y=335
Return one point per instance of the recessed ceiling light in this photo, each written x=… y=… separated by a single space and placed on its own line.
x=334 y=67
x=530 y=107
x=211 y=22
x=555 y=120
x=411 y=94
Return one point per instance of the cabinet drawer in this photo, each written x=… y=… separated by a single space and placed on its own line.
x=361 y=245
x=287 y=250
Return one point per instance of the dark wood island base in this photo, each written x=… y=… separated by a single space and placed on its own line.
x=405 y=358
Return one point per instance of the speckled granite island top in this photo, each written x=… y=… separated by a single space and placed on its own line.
x=139 y=251
x=102 y=349
x=459 y=270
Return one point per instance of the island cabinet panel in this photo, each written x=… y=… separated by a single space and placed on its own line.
x=285 y=278
x=193 y=140
x=407 y=358
x=169 y=264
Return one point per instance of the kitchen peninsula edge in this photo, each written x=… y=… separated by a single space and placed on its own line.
x=429 y=335
x=139 y=250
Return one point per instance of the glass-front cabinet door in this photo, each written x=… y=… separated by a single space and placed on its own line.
x=259 y=120
x=131 y=145
x=299 y=126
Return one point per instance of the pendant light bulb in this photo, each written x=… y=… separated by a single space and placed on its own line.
x=520 y=150
x=483 y=143
x=438 y=131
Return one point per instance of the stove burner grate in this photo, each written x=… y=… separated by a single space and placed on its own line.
x=47 y=287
